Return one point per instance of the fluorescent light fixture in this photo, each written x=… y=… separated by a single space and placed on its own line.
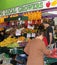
x=52 y=12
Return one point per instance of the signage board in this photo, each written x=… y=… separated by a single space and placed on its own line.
x=24 y=8
x=49 y=4
x=44 y=4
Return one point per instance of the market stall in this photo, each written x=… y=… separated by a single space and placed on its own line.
x=27 y=23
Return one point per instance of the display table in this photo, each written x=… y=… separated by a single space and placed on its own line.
x=50 y=60
x=17 y=50
x=20 y=51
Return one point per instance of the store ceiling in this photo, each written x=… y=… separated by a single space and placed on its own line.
x=49 y=12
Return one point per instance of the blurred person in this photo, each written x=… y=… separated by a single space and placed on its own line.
x=36 y=49
x=41 y=27
x=52 y=23
x=45 y=41
x=49 y=32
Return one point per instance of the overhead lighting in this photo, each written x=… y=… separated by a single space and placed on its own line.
x=53 y=12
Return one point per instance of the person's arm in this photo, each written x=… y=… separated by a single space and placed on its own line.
x=50 y=35
x=45 y=50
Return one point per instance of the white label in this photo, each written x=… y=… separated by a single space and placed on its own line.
x=33 y=35
x=28 y=35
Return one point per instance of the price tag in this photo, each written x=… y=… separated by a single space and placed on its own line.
x=33 y=34
x=30 y=27
x=18 y=32
x=28 y=35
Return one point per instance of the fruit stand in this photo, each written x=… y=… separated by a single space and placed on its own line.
x=11 y=46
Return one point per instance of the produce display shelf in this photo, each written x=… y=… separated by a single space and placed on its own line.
x=50 y=60
x=17 y=50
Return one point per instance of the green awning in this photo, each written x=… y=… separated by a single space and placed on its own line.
x=16 y=18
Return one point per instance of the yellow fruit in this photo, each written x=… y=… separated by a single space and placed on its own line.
x=21 y=38
x=54 y=3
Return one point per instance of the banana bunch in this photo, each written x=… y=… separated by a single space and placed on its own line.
x=8 y=41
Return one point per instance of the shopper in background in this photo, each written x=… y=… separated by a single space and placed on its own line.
x=49 y=32
x=41 y=27
x=52 y=23
x=36 y=50
x=45 y=41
